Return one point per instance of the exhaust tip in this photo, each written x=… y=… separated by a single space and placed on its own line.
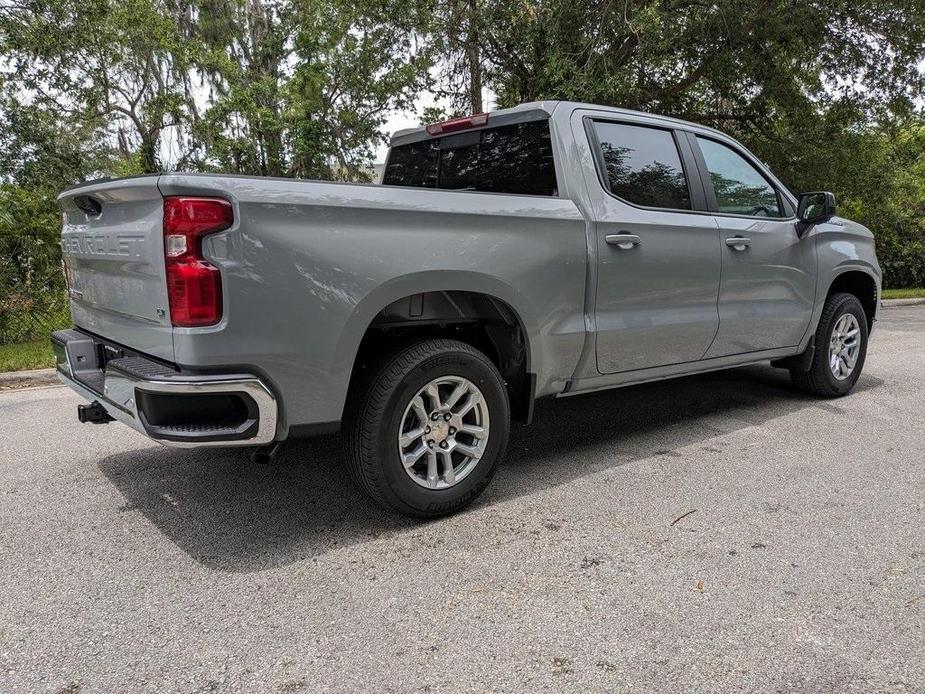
x=265 y=454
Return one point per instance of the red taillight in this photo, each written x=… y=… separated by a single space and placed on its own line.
x=194 y=287
x=449 y=126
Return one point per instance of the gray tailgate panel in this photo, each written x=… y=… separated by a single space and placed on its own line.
x=116 y=274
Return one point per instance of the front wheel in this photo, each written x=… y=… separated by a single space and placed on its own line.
x=841 y=348
x=426 y=430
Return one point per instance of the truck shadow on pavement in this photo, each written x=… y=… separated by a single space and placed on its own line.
x=232 y=515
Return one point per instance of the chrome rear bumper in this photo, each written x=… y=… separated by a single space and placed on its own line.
x=171 y=407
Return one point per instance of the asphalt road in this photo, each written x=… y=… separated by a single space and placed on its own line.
x=800 y=565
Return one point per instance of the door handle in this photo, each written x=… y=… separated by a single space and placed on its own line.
x=738 y=243
x=624 y=241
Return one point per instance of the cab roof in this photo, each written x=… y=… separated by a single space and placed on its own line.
x=537 y=110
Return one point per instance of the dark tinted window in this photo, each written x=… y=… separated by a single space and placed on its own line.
x=459 y=161
x=518 y=159
x=739 y=187
x=642 y=165
x=508 y=159
x=413 y=165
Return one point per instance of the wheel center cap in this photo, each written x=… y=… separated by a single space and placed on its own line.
x=439 y=431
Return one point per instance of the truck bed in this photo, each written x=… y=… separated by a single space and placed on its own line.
x=307 y=266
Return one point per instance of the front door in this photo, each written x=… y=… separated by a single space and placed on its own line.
x=658 y=258
x=768 y=286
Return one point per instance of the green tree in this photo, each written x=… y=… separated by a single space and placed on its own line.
x=731 y=61
x=39 y=155
x=121 y=63
x=893 y=205
x=303 y=88
x=828 y=93
x=454 y=27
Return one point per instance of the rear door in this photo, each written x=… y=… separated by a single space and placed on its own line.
x=658 y=267
x=113 y=249
x=768 y=285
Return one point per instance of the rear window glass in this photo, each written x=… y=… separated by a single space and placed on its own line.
x=413 y=165
x=513 y=159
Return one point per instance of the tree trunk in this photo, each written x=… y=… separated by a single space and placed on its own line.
x=266 y=65
x=147 y=153
x=474 y=60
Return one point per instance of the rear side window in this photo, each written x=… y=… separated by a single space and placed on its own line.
x=642 y=165
x=514 y=159
x=739 y=187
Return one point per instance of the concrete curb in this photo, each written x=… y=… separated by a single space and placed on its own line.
x=893 y=303
x=13 y=380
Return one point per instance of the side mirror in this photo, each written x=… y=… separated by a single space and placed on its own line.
x=814 y=208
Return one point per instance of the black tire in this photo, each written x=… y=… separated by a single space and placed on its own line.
x=819 y=379
x=375 y=411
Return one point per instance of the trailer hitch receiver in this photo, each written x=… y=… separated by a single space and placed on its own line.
x=93 y=413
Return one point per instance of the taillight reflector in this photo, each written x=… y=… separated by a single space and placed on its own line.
x=449 y=126
x=194 y=287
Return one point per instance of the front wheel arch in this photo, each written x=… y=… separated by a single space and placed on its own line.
x=860 y=284
x=811 y=373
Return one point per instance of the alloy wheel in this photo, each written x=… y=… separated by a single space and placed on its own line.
x=444 y=432
x=844 y=345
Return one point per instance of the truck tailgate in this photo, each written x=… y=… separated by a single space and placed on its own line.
x=113 y=248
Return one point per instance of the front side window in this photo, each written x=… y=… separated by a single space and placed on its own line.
x=739 y=187
x=642 y=165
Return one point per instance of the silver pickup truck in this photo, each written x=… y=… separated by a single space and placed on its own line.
x=546 y=250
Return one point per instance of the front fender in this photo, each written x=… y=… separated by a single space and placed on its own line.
x=842 y=246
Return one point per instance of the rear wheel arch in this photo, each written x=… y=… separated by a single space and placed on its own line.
x=483 y=320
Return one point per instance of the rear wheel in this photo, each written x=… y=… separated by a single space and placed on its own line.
x=425 y=431
x=841 y=348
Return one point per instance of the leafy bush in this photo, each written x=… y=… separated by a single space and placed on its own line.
x=895 y=208
x=32 y=293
